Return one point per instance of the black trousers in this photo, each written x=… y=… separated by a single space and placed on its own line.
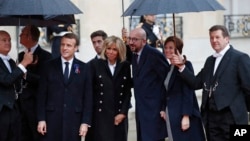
x=218 y=125
x=10 y=124
x=28 y=119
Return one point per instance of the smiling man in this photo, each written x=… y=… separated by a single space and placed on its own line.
x=225 y=84
x=62 y=98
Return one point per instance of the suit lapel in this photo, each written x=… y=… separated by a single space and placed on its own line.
x=117 y=68
x=75 y=69
x=172 y=78
x=223 y=64
x=12 y=64
x=106 y=67
x=2 y=65
x=142 y=58
x=58 y=68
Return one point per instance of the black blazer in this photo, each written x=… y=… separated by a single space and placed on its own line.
x=33 y=72
x=7 y=82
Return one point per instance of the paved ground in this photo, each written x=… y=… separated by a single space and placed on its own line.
x=132 y=127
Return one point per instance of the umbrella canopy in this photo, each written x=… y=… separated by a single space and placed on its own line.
x=154 y=7
x=37 y=20
x=37 y=12
x=38 y=7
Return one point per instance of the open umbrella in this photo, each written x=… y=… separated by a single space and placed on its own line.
x=143 y=7
x=38 y=7
x=37 y=20
x=37 y=12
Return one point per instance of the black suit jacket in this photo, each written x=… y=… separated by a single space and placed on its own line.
x=148 y=77
x=230 y=82
x=33 y=72
x=7 y=82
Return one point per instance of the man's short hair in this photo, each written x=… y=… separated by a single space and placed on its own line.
x=34 y=32
x=72 y=36
x=224 y=30
x=99 y=33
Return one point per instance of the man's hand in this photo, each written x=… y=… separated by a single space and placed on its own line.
x=83 y=129
x=41 y=127
x=27 y=59
x=124 y=35
x=163 y=114
x=185 y=123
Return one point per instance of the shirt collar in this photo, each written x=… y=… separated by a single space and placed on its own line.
x=114 y=65
x=5 y=57
x=32 y=49
x=222 y=52
x=70 y=61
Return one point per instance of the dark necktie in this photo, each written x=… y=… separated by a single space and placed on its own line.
x=66 y=72
x=136 y=58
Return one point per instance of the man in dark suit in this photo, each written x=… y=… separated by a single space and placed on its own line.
x=10 y=123
x=29 y=39
x=224 y=80
x=64 y=104
x=150 y=68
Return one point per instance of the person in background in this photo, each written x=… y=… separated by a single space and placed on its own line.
x=55 y=33
x=10 y=74
x=182 y=111
x=224 y=80
x=64 y=106
x=29 y=84
x=97 y=39
x=150 y=68
x=154 y=38
x=111 y=86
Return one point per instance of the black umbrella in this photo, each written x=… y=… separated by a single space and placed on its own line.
x=37 y=12
x=38 y=7
x=144 y=7
x=37 y=20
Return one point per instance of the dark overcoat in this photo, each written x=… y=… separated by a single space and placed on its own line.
x=64 y=106
x=111 y=95
x=148 y=78
x=181 y=100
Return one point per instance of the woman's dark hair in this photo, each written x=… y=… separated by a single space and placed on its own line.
x=178 y=42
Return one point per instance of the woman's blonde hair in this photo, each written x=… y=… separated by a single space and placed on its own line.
x=121 y=47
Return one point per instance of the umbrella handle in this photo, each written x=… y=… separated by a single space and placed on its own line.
x=123 y=23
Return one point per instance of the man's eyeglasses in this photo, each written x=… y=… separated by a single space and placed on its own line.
x=133 y=39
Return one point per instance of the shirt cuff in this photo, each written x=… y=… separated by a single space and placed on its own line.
x=181 y=69
x=22 y=68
